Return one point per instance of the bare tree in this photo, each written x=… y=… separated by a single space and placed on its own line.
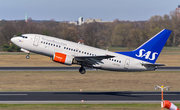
x=176 y=27
x=8 y=31
x=120 y=34
x=70 y=34
x=135 y=38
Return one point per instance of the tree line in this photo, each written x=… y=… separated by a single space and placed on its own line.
x=102 y=35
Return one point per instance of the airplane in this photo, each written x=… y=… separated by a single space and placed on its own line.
x=66 y=52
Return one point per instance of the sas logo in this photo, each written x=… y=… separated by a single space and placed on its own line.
x=148 y=55
x=58 y=58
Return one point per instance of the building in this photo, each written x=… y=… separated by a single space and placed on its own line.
x=178 y=11
x=26 y=18
x=81 y=21
x=93 y=20
x=73 y=22
x=2 y=19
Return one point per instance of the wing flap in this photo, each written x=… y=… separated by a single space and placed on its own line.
x=92 y=59
x=95 y=57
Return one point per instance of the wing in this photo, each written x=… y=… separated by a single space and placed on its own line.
x=91 y=60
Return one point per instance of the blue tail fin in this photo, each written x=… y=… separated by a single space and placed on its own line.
x=150 y=50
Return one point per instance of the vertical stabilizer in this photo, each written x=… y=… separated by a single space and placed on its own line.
x=150 y=50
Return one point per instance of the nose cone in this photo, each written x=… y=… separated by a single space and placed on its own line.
x=13 y=39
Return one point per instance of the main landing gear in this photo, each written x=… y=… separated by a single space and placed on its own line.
x=82 y=70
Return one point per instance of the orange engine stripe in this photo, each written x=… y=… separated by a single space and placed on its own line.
x=60 y=57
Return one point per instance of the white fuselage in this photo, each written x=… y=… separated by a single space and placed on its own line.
x=47 y=45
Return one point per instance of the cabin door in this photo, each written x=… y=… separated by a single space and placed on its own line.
x=127 y=62
x=36 y=41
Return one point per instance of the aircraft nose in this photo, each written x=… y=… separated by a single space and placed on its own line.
x=14 y=39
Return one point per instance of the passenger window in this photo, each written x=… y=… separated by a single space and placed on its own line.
x=76 y=50
x=56 y=45
x=119 y=61
x=41 y=41
x=84 y=52
x=87 y=53
x=64 y=47
x=46 y=43
x=71 y=49
x=67 y=48
x=92 y=54
x=49 y=43
x=59 y=46
x=79 y=51
x=114 y=60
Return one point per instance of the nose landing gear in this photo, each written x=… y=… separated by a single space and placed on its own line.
x=26 y=51
x=27 y=57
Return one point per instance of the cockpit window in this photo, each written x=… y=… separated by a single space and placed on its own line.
x=24 y=36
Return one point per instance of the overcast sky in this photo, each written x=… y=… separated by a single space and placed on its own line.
x=71 y=10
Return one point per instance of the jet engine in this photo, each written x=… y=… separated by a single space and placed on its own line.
x=63 y=58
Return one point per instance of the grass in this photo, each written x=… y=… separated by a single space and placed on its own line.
x=165 y=49
x=91 y=81
x=171 y=49
x=169 y=56
x=81 y=106
x=169 y=59
x=19 y=60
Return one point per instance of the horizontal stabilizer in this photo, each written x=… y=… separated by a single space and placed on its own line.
x=155 y=64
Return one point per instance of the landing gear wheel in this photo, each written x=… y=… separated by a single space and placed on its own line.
x=82 y=70
x=27 y=57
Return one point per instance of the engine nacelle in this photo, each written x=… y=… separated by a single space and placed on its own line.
x=63 y=58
